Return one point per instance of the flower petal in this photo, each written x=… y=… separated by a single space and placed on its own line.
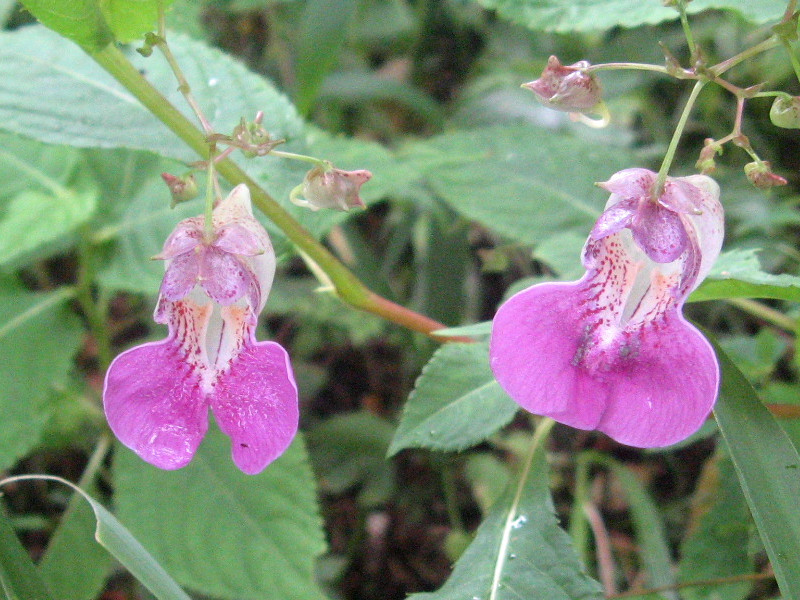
x=635 y=183
x=614 y=219
x=255 y=403
x=659 y=232
x=224 y=277
x=153 y=395
x=682 y=196
x=666 y=393
x=186 y=235
x=536 y=337
x=181 y=275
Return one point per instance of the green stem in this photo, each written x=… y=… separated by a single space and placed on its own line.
x=93 y=310
x=765 y=313
x=208 y=217
x=673 y=144
x=348 y=287
x=728 y=64
x=578 y=523
x=687 y=31
x=792 y=57
x=294 y=156
x=617 y=66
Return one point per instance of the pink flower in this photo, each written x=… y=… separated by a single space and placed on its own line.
x=567 y=88
x=613 y=351
x=157 y=395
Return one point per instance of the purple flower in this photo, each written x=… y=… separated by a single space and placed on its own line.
x=613 y=351
x=157 y=395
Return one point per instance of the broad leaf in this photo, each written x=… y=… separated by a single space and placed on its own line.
x=768 y=466
x=115 y=538
x=598 y=15
x=18 y=577
x=38 y=338
x=456 y=402
x=519 y=551
x=59 y=95
x=81 y=21
x=524 y=182
x=224 y=533
x=738 y=274
x=44 y=196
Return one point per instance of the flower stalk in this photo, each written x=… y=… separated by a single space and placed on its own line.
x=347 y=286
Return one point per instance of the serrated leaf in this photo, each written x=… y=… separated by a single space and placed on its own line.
x=767 y=464
x=456 y=402
x=738 y=274
x=541 y=181
x=519 y=551
x=38 y=338
x=18 y=577
x=224 y=533
x=58 y=95
x=597 y=15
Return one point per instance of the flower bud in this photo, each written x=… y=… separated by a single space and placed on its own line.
x=705 y=164
x=181 y=188
x=327 y=187
x=760 y=175
x=566 y=88
x=252 y=138
x=785 y=112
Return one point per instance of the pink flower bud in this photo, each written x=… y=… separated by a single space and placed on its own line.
x=566 y=88
x=329 y=187
x=705 y=164
x=760 y=175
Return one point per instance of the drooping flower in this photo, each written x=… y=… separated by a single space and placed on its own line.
x=157 y=395
x=613 y=351
x=567 y=87
x=329 y=187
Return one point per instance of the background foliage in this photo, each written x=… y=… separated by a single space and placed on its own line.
x=415 y=459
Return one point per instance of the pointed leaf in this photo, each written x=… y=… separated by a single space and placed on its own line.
x=224 y=533
x=81 y=21
x=738 y=274
x=115 y=538
x=18 y=577
x=456 y=402
x=768 y=467
x=519 y=551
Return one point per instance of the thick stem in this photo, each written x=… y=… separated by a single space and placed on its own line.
x=347 y=286
x=658 y=189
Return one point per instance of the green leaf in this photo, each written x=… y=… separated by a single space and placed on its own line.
x=349 y=450
x=38 y=338
x=323 y=30
x=717 y=546
x=18 y=577
x=541 y=182
x=131 y=19
x=224 y=533
x=597 y=15
x=738 y=274
x=75 y=565
x=44 y=196
x=519 y=551
x=115 y=538
x=57 y=94
x=474 y=330
x=81 y=21
x=456 y=402
x=768 y=467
